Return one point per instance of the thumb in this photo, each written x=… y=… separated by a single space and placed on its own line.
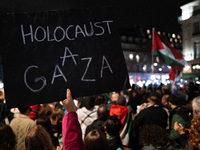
x=68 y=94
x=180 y=125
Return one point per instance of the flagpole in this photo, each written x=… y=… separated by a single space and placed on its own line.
x=152 y=59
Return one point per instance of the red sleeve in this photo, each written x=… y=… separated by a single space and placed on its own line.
x=72 y=134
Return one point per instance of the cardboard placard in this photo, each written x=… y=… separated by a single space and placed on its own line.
x=44 y=53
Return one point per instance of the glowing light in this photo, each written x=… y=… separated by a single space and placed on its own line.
x=148 y=31
x=144 y=68
x=186 y=68
x=137 y=58
x=157 y=59
x=131 y=56
x=155 y=64
x=160 y=69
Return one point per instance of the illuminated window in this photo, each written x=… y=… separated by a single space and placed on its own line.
x=172 y=45
x=163 y=33
x=175 y=40
x=170 y=39
x=159 y=32
x=169 y=34
x=123 y=38
x=130 y=39
x=178 y=36
x=137 y=58
x=149 y=36
x=196 y=49
x=173 y=35
x=157 y=59
x=148 y=31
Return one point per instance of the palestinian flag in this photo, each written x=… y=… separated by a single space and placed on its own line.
x=166 y=52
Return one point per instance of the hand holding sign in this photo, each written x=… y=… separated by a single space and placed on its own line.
x=68 y=103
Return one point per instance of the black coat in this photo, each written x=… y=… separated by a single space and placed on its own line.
x=151 y=115
x=97 y=124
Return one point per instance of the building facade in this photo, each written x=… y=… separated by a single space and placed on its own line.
x=141 y=65
x=190 y=20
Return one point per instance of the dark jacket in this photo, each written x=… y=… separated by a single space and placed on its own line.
x=97 y=124
x=151 y=115
x=115 y=143
x=180 y=115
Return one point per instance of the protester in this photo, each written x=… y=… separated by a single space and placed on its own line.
x=100 y=99
x=178 y=114
x=191 y=143
x=153 y=114
x=102 y=113
x=154 y=137
x=34 y=111
x=113 y=97
x=165 y=106
x=38 y=139
x=8 y=138
x=46 y=124
x=96 y=140
x=21 y=125
x=71 y=130
x=45 y=111
x=120 y=110
x=112 y=128
x=56 y=124
x=196 y=106
x=87 y=114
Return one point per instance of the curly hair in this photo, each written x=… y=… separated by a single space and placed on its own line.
x=194 y=138
x=154 y=135
x=8 y=138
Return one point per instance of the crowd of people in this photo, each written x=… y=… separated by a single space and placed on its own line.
x=134 y=119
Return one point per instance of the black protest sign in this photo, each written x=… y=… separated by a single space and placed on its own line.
x=44 y=53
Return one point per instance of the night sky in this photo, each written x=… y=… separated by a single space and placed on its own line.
x=161 y=14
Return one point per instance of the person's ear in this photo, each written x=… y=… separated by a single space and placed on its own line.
x=148 y=99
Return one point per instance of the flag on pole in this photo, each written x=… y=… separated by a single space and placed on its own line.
x=170 y=57
x=166 y=52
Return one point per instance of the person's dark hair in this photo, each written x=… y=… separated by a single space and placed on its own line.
x=113 y=125
x=45 y=123
x=153 y=135
x=166 y=91
x=173 y=99
x=38 y=138
x=121 y=100
x=100 y=99
x=96 y=140
x=8 y=138
x=103 y=112
x=24 y=109
x=89 y=102
x=56 y=119
x=45 y=110
x=144 y=98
